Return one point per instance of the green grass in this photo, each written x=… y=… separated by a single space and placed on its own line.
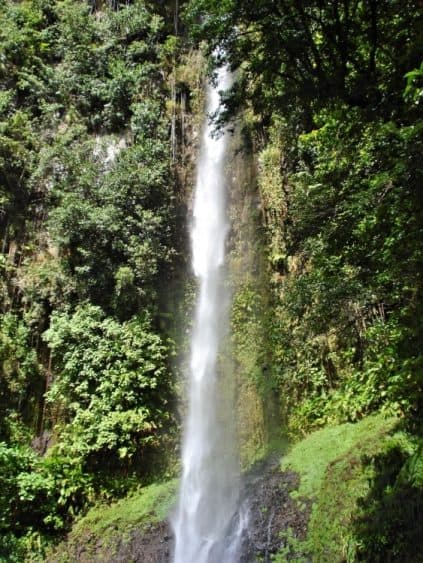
x=312 y=456
x=336 y=469
x=106 y=522
x=346 y=471
x=149 y=504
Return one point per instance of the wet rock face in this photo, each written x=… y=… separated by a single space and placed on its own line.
x=273 y=515
x=153 y=544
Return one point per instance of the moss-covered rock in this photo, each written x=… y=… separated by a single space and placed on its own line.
x=131 y=529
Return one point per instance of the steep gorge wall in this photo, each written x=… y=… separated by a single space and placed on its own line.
x=259 y=417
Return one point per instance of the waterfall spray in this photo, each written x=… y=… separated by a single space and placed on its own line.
x=207 y=523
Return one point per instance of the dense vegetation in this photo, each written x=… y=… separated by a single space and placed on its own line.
x=90 y=223
x=343 y=207
x=329 y=96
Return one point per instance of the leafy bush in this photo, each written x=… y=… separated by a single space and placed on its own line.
x=344 y=332
x=87 y=220
x=38 y=498
x=21 y=377
x=112 y=382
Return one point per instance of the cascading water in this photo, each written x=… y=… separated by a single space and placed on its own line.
x=207 y=524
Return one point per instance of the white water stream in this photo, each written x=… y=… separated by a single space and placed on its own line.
x=207 y=523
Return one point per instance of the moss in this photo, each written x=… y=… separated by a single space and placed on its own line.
x=312 y=456
x=148 y=504
x=248 y=281
x=105 y=523
x=337 y=468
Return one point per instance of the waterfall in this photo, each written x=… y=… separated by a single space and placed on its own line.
x=207 y=522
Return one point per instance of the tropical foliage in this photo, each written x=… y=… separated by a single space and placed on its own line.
x=89 y=216
x=328 y=95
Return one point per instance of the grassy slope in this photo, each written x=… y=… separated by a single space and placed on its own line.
x=351 y=473
x=336 y=468
x=106 y=522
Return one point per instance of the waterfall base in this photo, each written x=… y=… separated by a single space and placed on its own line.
x=274 y=517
